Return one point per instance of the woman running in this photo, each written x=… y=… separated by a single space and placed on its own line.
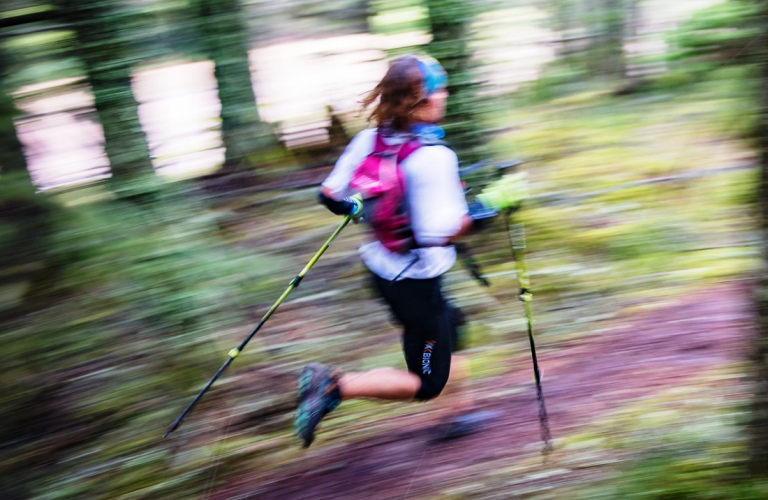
x=408 y=104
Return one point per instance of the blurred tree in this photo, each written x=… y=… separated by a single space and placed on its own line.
x=566 y=21
x=108 y=316
x=17 y=13
x=759 y=424
x=104 y=30
x=609 y=49
x=224 y=38
x=721 y=34
x=12 y=159
x=450 y=22
x=592 y=33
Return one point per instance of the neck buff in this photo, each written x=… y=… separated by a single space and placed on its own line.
x=428 y=131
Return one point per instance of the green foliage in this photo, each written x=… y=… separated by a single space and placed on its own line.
x=399 y=17
x=450 y=23
x=689 y=466
x=12 y=157
x=716 y=49
x=124 y=306
x=722 y=32
x=40 y=57
x=685 y=478
x=115 y=310
x=269 y=20
x=592 y=35
x=556 y=80
x=700 y=461
x=349 y=11
x=614 y=232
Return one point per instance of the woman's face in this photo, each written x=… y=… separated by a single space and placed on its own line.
x=436 y=105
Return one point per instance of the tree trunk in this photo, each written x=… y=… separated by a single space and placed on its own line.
x=759 y=423
x=225 y=40
x=11 y=153
x=607 y=54
x=12 y=159
x=615 y=27
x=562 y=20
x=450 y=23
x=560 y=15
x=101 y=33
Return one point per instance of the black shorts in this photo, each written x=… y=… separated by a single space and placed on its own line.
x=429 y=329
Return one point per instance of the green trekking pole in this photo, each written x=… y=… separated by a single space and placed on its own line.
x=506 y=193
x=236 y=351
x=516 y=232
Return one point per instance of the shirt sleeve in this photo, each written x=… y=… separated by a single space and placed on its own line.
x=355 y=152
x=435 y=195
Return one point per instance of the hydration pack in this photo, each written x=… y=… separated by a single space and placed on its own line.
x=381 y=182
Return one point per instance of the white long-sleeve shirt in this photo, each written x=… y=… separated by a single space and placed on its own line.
x=436 y=200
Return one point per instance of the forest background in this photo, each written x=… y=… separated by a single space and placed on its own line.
x=159 y=162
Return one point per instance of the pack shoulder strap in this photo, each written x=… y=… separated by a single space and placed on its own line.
x=403 y=150
x=407 y=149
x=379 y=146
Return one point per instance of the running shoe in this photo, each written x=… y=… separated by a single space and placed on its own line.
x=318 y=396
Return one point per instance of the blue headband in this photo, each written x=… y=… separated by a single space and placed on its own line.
x=434 y=76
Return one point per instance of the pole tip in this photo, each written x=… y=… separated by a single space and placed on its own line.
x=171 y=428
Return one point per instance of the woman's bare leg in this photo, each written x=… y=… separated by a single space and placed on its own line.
x=380 y=383
x=456 y=398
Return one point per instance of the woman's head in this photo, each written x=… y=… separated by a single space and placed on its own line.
x=412 y=91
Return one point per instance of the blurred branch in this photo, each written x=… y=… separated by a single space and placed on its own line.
x=50 y=15
x=35 y=29
x=42 y=20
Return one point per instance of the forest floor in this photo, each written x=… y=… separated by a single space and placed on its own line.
x=674 y=364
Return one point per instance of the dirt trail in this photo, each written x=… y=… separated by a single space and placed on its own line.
x=653 y=351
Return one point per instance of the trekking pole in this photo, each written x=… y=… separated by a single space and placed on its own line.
x=471 y=264
x=236 y=351
x=516 y=233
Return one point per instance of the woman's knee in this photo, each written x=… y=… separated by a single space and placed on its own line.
x=431 y=387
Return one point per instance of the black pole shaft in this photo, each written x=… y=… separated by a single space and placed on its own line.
x=518 y=247
x=546 y=435
x=199 y=396
x=236 y=351
x=232 y=355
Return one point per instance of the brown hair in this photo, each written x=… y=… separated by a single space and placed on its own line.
x=400 y=95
